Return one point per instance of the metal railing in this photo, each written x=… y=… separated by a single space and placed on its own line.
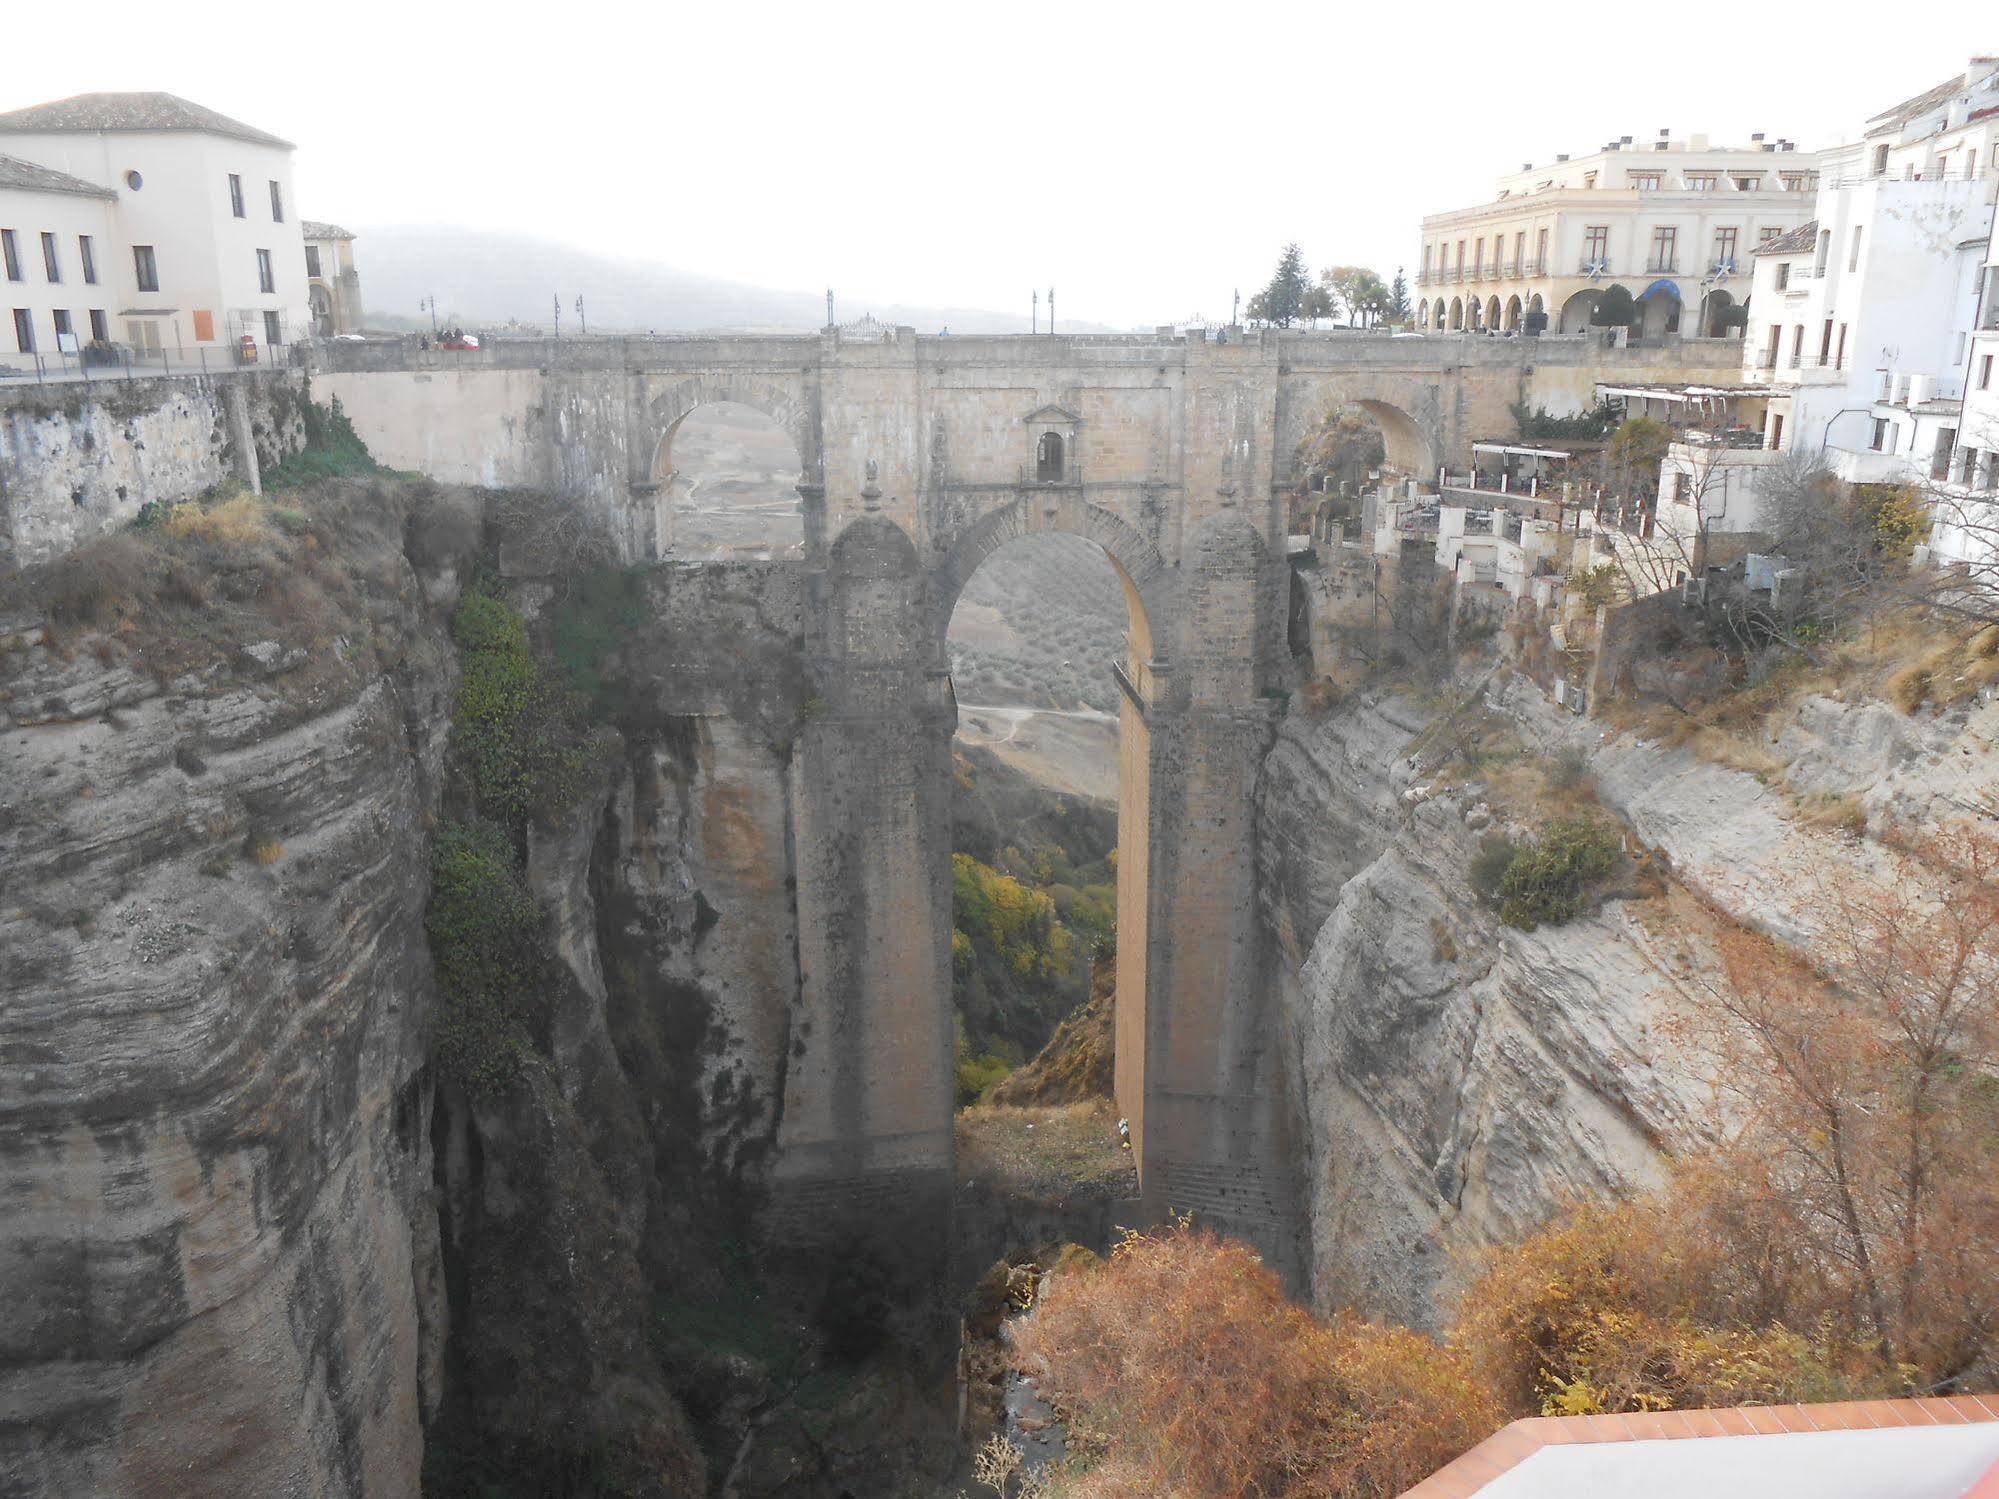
x=127 y=362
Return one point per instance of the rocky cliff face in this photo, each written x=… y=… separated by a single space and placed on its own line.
x=1455 y=1078
x=215 y=1225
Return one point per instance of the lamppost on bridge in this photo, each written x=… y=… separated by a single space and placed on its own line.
x=583 y=321
x=431 y=303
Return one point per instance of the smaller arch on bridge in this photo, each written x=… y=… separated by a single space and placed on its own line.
x=1491 y=320
x=1512 y=323
x=1457 y=314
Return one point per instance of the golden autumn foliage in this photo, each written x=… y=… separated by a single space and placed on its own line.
x=1181 y=1359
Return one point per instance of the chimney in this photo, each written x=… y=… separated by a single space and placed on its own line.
x=1757 y=138
x=1624 y=140
x=1563 y=157
x=1526 y=166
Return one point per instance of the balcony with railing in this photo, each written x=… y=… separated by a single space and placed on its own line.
x=1534 y=267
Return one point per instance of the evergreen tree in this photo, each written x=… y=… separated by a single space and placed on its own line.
x=1399 y=310
x=1283 y=300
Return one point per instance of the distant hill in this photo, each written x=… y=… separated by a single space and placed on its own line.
x=482 y=276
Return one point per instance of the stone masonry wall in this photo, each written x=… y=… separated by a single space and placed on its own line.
x=79 y=458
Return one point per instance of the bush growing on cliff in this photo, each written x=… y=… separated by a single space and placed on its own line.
x=489 y=947
x=1549 y=879
x=1183 y=1362
x=333 y=449
x=514 y=729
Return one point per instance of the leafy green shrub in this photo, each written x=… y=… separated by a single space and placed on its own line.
x=490 y=949
x=333 y=449
x=515 y=731
x=1550 y=879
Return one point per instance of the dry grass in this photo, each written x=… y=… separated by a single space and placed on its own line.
x=240 y=520
x=1833 y=811
x=1056 y=1151
x=266 y=852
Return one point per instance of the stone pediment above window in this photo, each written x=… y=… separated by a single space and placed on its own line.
x=1052 y=416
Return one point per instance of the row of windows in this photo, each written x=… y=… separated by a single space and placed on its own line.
x=1700 y=182
x=1665 y=249
x=236 y=199
x=60 y=320
x=145 y=265
x=142 y=333
x=86 y=250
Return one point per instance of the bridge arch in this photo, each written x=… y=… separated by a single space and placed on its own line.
x=1149 y=584
x=1405 y=445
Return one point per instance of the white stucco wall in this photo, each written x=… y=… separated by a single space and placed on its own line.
x=206 y=256
x=67 y=216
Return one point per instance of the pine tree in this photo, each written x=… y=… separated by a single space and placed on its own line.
x=1282 y=301
x=1398 y=298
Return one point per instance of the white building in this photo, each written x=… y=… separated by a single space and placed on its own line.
x=1967 y=511
x=201 y=248
x=1669 y=221
x=57 y=233
x=1859 y=326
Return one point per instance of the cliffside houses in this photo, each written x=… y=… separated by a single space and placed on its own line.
x=146 y=221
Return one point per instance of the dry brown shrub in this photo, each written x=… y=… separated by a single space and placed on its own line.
x=235 y=522
x=266 y=852
x=1908 y=687
x=98 y=581
x=1181 y=1358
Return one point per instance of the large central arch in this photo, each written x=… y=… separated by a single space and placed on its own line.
x=868 y=1114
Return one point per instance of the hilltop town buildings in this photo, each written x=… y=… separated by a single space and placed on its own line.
x=333 y=289
x=145 y=220
x=1671 y=222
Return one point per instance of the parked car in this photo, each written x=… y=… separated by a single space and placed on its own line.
x=461 y=341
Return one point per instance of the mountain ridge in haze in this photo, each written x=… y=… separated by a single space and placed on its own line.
x=485 y=276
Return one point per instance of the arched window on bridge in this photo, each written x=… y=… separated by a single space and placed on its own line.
x=1048 y=459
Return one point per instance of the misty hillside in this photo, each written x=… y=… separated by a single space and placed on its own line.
x=484 y=276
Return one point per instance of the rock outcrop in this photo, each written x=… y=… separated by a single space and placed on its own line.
x=216 y=1236
x=1456 y=1079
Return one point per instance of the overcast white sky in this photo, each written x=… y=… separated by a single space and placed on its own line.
x=1146 y=159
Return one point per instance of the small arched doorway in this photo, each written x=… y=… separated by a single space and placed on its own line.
x=1512 y=324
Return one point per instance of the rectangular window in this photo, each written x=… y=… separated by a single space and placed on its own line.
x=1825 y=342
x=1596 y=242
x=12 y=254
x=274 y=332
x=86 y=251
x=146 y=267
x=1776 y=430
x=1985 y=372
x=1797 y=345
x=1881 y=438
x=236 y=195
x=1853 y=258
x=1940 y=454
x=204 y=325
x=1724 y=245
x=277 y=204
x=1880 y=160
x=1701 y=182
x=1665 y=248
x=24 y=330
x=51 y=265
x=265 y=283
x=1748 y=184
x=1540 y=251
x=1839 y=353
x=1783 y=274
x=1768 y=232
x=1646 y=182
x=100 y=326
x=312 y=260
x=1478 y=257
x=1461 y=255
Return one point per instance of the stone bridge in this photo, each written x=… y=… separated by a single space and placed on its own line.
x=920 y=457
